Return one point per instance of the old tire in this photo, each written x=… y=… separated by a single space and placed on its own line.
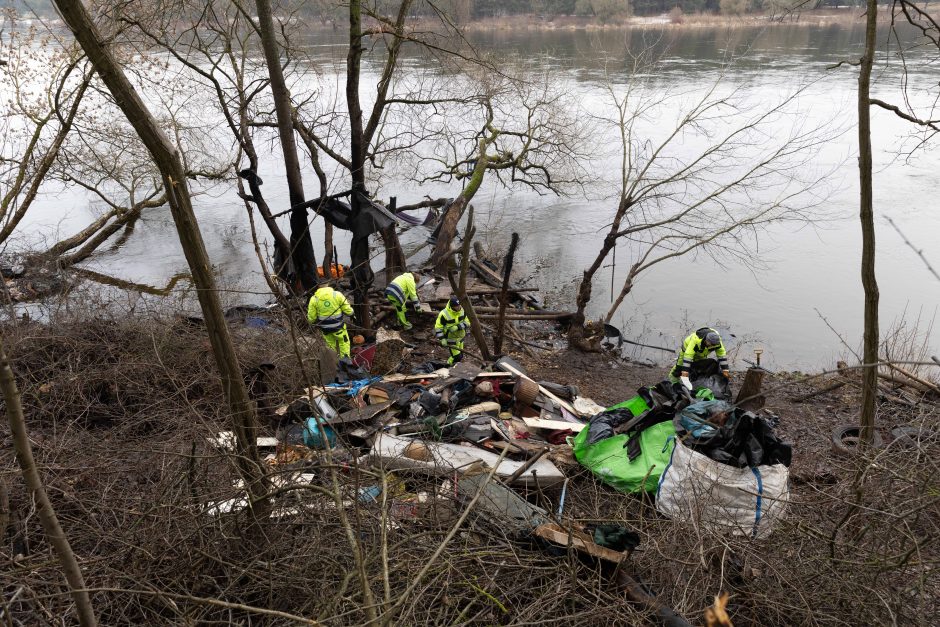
x=846 y=438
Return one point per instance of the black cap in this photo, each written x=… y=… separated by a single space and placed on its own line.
x=454 y=302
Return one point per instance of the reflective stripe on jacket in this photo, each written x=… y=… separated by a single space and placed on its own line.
x=402 y=288
x=451 y=323
x=326 y=309
x=694 y=349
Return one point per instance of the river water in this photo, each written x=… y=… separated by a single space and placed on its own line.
x=807 y=272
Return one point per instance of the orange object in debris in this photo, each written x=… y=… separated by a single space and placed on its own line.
x=358 y=339
x=337 y=271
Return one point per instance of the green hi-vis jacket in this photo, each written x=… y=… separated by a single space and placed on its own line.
x=326 y=309
x=403 y=289
x=451 y=324
x=694 y=349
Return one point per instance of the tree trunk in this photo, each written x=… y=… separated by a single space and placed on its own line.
x=98 y=233
x=866 y=215
x=459 y=286
x=305 y=263
x=446 y=233
x=504 y=295
x=359 y=256
x=328 y=259
x=577 y=335
x=448 y=228
x=577 y=332
x=50 y=522
x=395 y=262
x=168 y=161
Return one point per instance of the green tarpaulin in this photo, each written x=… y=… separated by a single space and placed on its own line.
x=608 y=458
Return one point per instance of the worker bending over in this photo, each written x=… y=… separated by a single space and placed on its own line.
x=400 y=292
x=326 y=310
x=451 y=327
x=695 y=348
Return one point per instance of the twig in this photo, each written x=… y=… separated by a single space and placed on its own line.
x=386 y=616
x=838 y=335
x=918 y=251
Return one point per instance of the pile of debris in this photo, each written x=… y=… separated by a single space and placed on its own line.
x=500 y=442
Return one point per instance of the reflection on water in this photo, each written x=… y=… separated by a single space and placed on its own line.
x=806 y=267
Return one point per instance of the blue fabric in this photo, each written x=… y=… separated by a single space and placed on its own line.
x=665 y=471
x=760 y=493
x=355 y=386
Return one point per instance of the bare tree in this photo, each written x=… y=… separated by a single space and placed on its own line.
x=866 y=216
x=927 y=127
x=44 y=509
x=305 y=264
x=531 y=136
x=173 y=173
x=712 y=200
x=43 y=89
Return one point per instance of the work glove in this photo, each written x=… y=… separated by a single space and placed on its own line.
x=685 y=381
x=444 y=343
x=726 y=374
x=415 y=305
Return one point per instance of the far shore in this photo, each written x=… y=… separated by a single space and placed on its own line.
x=667 y=20
x=672 y=20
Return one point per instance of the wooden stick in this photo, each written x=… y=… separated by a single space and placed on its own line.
x=504 y=295
x=910 y=375
x=526 y=465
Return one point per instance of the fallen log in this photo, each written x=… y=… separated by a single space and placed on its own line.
x=488 y=309
x=927 y=385
x=553 y=315
x=492 y=278
x=814 y=394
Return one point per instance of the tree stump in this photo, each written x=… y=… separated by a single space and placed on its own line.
x=750 y=397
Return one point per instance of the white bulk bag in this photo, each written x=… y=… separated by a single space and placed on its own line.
x=745 y=501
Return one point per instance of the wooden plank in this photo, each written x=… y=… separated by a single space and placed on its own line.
x=579 y=541
x=439 y=374
x=553 y=425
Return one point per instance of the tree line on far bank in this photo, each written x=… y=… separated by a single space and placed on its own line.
x=462 y=11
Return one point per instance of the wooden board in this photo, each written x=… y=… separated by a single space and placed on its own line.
x=579 y=541
x=553 y=425
x=439 y=374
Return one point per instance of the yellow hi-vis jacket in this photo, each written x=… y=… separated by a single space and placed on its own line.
x=450 y=324
x=326 y=309
x=694 y=349
x=403 y=289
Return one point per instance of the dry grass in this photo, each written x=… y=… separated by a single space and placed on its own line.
x=119 y=412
